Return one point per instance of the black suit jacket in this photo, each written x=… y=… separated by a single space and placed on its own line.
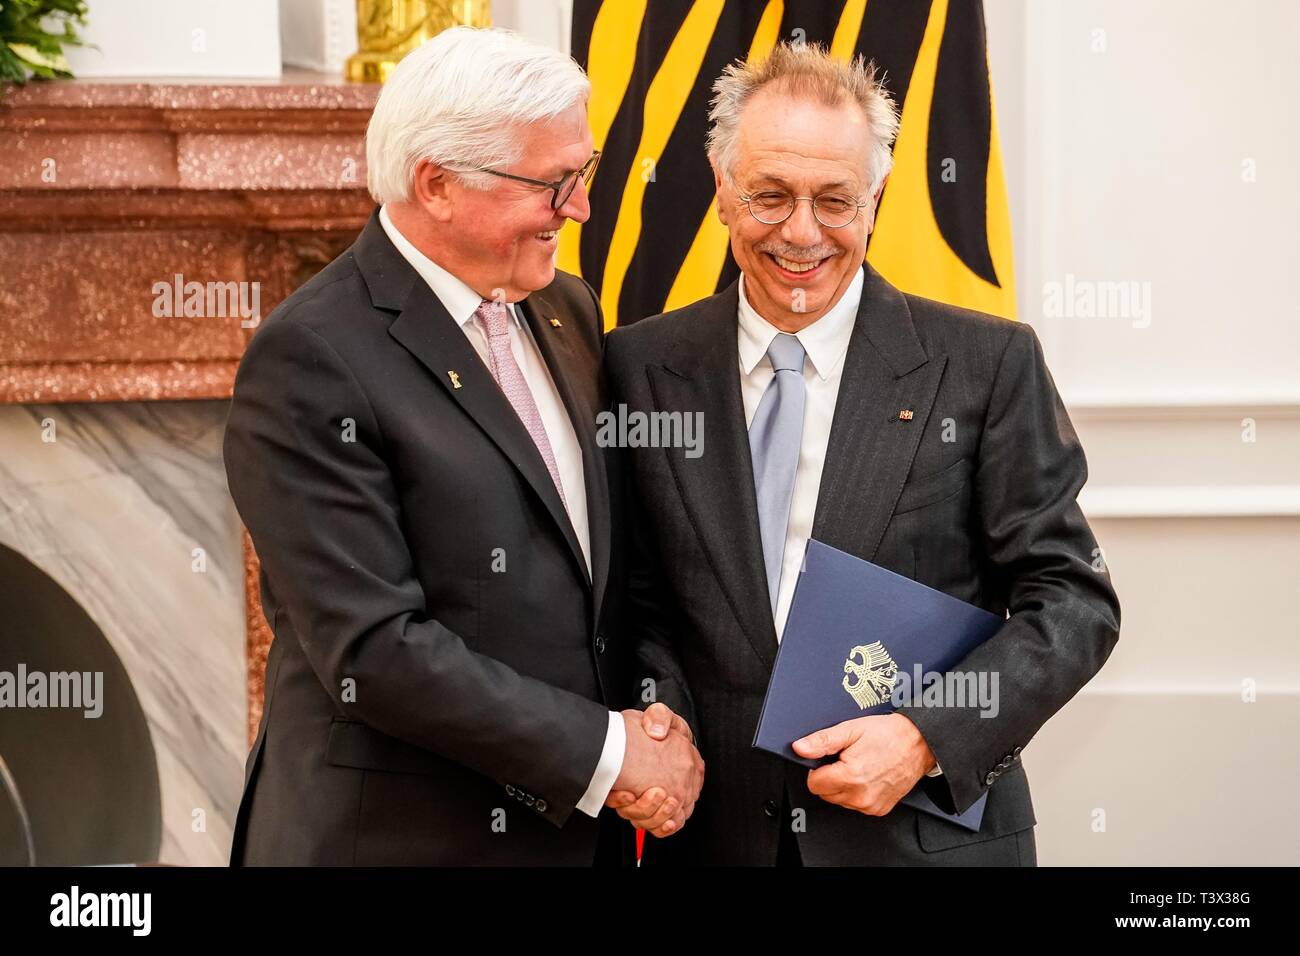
x=974 y=495
x=439 y=684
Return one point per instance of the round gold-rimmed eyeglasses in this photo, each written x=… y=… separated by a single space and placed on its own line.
x=774 y=206
x=562 y=188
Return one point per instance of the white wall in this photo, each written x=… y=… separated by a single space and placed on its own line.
x=1158 y=140
x=148 y=38
x=1150 y=142
x=546 y=21
x=318 y=34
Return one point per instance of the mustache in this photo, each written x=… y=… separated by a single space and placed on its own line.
x=786 y=250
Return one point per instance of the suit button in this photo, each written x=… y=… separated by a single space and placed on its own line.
x=772 y=808
x=541 y=806
x=519 y=795
x=1016 y=752
x=510 y=790
x=600 y=643
x=989 y=778
x=529 y=801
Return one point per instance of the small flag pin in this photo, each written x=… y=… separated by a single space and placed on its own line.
x=555 y=323
x=905 y=415
x=455 y=379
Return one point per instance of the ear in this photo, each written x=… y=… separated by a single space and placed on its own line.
x=719 y=185
x=875 y=203
x=875 y=198
x=431 y=187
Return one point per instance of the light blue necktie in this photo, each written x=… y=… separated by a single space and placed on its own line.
x=774 y=438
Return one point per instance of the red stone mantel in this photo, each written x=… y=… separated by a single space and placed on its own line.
x=109 y=187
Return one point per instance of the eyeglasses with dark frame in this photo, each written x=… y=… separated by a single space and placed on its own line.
x=562 y=188
x=775 y=206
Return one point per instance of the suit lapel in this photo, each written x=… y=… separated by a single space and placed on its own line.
x=426 y=330
x=717 y=488
x=871 y=448
x=579 y=398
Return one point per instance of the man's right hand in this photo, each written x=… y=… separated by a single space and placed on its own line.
x=662 y=766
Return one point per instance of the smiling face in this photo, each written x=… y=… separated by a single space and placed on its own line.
x=796 y=270
x=501 y=238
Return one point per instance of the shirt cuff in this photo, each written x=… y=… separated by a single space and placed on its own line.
x=607 y=768
x=936 y=772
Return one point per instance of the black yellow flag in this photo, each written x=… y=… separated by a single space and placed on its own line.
x=654 y=242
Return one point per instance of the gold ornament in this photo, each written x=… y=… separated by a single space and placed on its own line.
x=387 y=30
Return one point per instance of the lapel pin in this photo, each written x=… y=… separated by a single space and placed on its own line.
x=555 y=323
x=455 y=379
x=905 y=415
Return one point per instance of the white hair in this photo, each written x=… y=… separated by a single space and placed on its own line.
x=804 y=70
x=458 y=101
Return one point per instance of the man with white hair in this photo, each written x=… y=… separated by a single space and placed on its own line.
x=412 y=447
x=921 y=437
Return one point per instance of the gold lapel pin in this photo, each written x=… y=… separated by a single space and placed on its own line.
x=455 y=379
x=555 y=323
x=905 y=415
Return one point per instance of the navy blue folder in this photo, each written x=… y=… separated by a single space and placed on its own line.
x=853 y=630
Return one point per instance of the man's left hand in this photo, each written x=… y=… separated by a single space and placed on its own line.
x=881 y=759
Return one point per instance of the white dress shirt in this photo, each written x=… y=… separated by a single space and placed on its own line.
x=826 y=342
x=461 y=301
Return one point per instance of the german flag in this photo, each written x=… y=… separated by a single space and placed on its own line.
x=654 y=242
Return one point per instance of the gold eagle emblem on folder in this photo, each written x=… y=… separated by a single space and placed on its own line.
x=873 y=673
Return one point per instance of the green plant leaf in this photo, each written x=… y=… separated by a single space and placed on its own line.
x=34 y=57
x=28 y=47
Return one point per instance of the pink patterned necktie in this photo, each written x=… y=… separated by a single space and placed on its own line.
x=495 y=323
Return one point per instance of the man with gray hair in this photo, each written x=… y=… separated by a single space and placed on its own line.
x=924 y=438
x=412 y=447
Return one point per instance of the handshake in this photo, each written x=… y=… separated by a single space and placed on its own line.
x=880 y=759
x=662 y=772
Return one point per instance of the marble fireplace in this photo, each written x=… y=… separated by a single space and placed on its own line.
x=121 y=554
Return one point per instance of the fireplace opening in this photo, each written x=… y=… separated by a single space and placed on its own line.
x=81 y=790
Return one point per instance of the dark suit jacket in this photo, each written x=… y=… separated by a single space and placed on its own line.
x=418 y=697
x=974 y=496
